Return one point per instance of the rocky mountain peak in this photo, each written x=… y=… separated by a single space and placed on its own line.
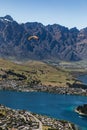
x=7 y=18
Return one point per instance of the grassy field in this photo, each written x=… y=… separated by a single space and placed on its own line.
x=34 y=72
x=46 y=128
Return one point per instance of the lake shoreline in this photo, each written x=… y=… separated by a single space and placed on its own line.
x=72 y=90
x=31 y=120
x=33 y=99
x=82 y=110
x=80 y=113
x=76 y=88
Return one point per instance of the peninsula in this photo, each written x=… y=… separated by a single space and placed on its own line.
x=82 y=110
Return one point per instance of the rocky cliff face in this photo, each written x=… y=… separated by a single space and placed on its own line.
x=54 y=41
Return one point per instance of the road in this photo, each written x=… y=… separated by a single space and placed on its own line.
x=37 y=120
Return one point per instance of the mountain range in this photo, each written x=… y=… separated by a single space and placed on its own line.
x=54 y=41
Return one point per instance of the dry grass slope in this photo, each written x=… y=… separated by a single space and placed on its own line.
x=34 y=71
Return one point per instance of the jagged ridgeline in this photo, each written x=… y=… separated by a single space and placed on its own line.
x=54 y=41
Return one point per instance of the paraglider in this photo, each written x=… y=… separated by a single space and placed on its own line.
x=33 y=37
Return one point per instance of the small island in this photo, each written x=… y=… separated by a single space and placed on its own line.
x=82 y=110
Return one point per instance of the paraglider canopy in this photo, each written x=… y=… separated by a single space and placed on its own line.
x=33 y=37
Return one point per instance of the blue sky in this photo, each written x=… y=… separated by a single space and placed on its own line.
x=69 y=13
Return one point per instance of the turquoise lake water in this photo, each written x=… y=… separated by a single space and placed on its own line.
x=53 y=105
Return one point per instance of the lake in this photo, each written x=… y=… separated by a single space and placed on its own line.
x=53 y=105
x=83 y=78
